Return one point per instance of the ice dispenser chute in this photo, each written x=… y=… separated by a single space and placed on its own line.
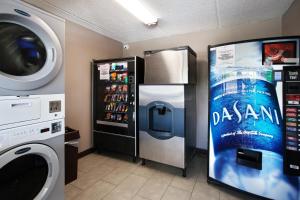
x=160 y=121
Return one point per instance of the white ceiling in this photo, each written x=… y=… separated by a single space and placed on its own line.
x=175 y=16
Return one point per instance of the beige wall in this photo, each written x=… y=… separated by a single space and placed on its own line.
x=291 y=20
x=83 y=45
x=199 y=42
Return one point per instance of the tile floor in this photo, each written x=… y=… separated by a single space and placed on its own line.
x=113 y=177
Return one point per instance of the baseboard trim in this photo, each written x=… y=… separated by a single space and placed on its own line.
x=91 y=150
x=202 y=151
x=86 y=152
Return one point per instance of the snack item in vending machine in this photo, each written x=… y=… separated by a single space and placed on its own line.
x=107 y=89
x=119 y=77
x=124 y=76
x=108 y=116
x=125 y=88
x=118 y=108
x=113 y=88
x=125 y=118
x=119 y=89
x=113 y=66
x=119 y=117
x=113 y=76
x=107 y=98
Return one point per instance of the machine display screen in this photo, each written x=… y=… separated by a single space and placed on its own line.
x=246 y=148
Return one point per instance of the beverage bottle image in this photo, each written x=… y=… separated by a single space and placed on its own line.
x=245 y=113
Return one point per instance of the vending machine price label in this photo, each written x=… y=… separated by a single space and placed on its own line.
x=104 y=71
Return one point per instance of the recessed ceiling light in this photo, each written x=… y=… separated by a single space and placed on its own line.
x=139 y=11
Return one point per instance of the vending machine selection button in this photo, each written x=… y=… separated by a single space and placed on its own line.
x=291 y=114
x=291 y=119
x=291 y=143
x=291 y=110
x=291 y=129
x=294 y=167
x=293 y=102
x=291 y=124
x=291 y=148
x=292 y=134
x=291 y=138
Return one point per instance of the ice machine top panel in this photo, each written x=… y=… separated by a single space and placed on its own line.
x=170 y=66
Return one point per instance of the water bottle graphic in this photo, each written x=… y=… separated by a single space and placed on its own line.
x=245 y=113
x=245 y=110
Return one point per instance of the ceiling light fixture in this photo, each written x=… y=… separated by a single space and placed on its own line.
x=139 y=11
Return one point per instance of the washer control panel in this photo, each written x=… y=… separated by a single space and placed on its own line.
x=32 y=109
x=29 y=133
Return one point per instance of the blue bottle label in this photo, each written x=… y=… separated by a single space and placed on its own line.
x=245 y=112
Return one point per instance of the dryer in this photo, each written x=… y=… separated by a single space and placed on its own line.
x=31 y=49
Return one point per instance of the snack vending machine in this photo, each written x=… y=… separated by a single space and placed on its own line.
x=115 y=95
x=253 y=133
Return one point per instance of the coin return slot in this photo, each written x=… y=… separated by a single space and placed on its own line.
x=44 y=130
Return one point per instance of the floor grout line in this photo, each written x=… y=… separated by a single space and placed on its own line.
x=128 y=169
x=167 y=187
x=193 y=188
x=75 y=186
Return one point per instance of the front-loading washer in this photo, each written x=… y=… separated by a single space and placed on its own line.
x=31 y=48
x=32 y=162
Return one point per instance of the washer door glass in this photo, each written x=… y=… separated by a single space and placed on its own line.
x=28 y=172
x=22 y=51
x=31 y=54
x=24 y=177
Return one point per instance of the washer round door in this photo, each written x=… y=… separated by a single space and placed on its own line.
x=31 y=54
x=28 y=172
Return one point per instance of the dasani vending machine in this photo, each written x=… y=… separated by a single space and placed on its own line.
x=250 y=139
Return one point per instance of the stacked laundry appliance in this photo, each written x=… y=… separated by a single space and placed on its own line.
x=167 y=107
x=32 y=105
